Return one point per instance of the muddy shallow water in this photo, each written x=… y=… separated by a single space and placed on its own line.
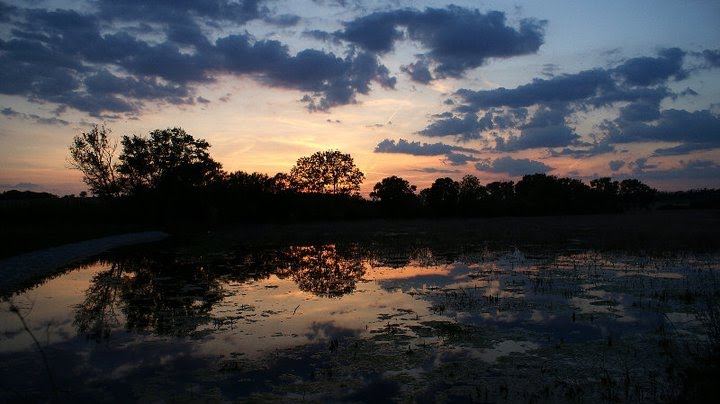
x=353 y=322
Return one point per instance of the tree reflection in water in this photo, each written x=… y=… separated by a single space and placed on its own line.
x=161 y=294
x=324 y=271
x=172 y=296
x=98 y=313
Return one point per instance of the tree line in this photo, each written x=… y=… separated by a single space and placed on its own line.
x=173 y=171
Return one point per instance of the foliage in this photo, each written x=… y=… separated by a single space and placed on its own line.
x=169 y=159
x=472 y=195
x=328 y=172
x=93 y=153
x=442 y=196
x=395 y=195
x=392 y=189
x=635 y=194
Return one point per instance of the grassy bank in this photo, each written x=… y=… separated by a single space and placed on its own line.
x=653 y=230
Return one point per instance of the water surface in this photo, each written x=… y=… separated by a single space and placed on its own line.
x=360 y=322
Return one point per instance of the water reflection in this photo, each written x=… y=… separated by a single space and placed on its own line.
x=323 y=270
x=398 y=308
x=162 y=294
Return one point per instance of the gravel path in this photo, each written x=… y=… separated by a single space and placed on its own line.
x=18 y=270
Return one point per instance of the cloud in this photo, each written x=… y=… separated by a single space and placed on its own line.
x=21 y=186
x=615 y=165
x=418 y=71
x=673 y=125
x=546 y=128
x=459 y=159
x=542 y=113
x=560 y=89
x=534 y=137
x=237 y=11
x=645 y=71
x=465 y=128
x=82 y=61
x=11 y=113
x=419 y=149
x=700 y=169
x=431 y=170
x=581 y=152
x=457 y=39
x=712 y=57
x=512 y=167
x=641 y=111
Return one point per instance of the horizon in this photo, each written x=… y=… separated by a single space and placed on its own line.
x=421 y=90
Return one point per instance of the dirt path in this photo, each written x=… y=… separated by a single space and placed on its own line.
x=18 y=270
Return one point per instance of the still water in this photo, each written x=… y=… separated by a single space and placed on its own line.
x=354 y=322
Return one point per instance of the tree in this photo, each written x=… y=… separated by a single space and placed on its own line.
x=395 y=194
x=393 y=189
x=471 y=195
x=636 y=194
x=169 y=159
x=442 y=196
x=329 y=172
x=606 y=192
x=93 y=153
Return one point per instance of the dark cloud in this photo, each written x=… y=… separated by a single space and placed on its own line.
x=431 y=170
x=465 y=127
x=636 y=87
x=454 y=155
x=21 y=186
x=546 y=128
x=712 y=57
x=66 y=57
x=560 y=89
x=418 y=71
x=6 y=12
x=172 y=11
x=11 y=113
x=550 y=70
x=645 y=71
x=685 y=148
x=419 y=149
x=105 y=83
x=688 y=170
x=457 y=39
x=615 y=165
x=673 y=125
x=584 y=151
x=512 y=167
x=538 y=137
x=283 y=20
x=689 y=92
x=641 y=111
x=459 y=159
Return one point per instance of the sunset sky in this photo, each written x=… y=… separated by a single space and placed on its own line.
x=418 y=89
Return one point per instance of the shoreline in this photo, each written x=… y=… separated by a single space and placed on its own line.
x=20 y=269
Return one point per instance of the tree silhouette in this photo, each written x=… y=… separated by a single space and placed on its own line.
x=396 y=195
x=472 y=195
x=170 y=158
x=92 y=153
x=442 y=196
x=606 y=194
x=328 y=172
x=636 y=194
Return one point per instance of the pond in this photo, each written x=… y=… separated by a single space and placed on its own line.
x=364 y=322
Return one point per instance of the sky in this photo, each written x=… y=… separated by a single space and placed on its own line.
x=417 y=89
